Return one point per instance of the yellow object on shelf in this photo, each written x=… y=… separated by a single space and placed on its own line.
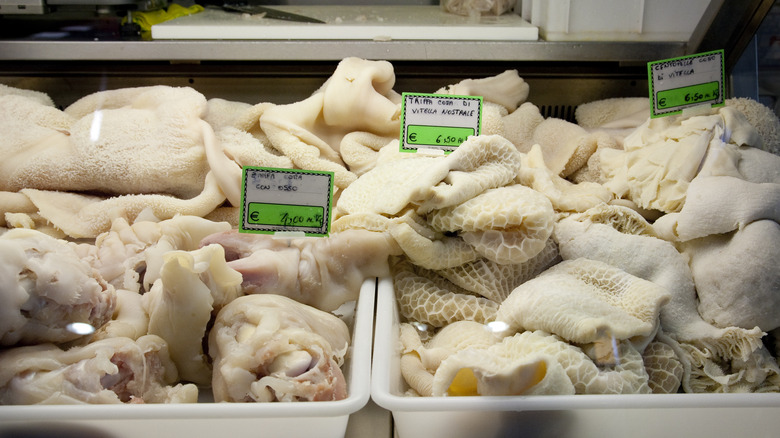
x=147 y=19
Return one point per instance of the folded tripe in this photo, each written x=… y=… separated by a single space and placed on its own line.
x=271 y=348
x=110 y=371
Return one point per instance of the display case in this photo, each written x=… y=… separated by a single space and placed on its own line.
x=87 y=43
x=71 y=50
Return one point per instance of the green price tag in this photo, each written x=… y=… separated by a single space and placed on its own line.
x=285 y=215
x=286 y=201
x=439 y=135
x=688 y=95
x=438 y=121
x=679 y=83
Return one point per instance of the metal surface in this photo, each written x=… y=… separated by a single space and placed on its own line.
x=261 y=83
x=626 y=52
x=733 y=27
x=267 y=12
x=726 y=24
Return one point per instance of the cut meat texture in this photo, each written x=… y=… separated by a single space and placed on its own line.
x=192 y=287
x=111 y=371
x=324 y=273
x=271 y=348
x=45 y=288
x=129 y=256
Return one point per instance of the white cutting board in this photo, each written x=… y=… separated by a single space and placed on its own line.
x=348 y=23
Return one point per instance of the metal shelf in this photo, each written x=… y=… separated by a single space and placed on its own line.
x=727 y=25
x=309 y=50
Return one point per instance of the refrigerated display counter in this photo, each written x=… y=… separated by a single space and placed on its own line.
x=76 y=57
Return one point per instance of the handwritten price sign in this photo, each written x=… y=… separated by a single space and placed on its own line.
x=286 y=200
x=679 y=83
x=443 y=122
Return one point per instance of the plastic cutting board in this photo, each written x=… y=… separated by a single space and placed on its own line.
x=348 y=23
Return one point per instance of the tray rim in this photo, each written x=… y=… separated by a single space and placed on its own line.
x=387 y=314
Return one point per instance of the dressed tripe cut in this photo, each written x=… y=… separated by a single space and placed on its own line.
x=323 y=273
x=271 y=348
x=109 y=371
x=46 y=288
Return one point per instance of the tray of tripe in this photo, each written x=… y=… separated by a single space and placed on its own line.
x=400 y=366
x=262 y=335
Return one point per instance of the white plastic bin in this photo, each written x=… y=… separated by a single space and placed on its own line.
x=304 y=419
x=616 y=20
x=581 y=416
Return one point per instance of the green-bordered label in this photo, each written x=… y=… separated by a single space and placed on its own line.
x=688 y=95
x=679 y=83
x=286 y=201
x=439 y=135
x=436 y=121
x=259 y=213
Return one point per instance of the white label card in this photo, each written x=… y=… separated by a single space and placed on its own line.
x=286 y=201
x=442 y=122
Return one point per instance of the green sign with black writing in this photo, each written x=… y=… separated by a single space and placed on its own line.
x=684 y=82
x=286 y=201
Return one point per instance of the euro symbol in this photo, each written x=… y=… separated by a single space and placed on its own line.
x=254 y=216
x=662 y=102
x=412 y=137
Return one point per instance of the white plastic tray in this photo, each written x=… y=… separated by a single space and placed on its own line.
x=651 y=416
x=234 y=420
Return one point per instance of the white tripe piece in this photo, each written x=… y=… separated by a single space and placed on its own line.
x=509 y=224
x=659 y=261
x=565 y=195
x=193 y=285
x=718 y=205
x=426 y=297
x=109 y=371
x=129 y=256
x=419 y=360
x=507 y=89
x=79 y=215
x=427 y=183
x=505 y=368
x=736 y=276
x=661 y=157
x=125 y=141
x=584 y=301
x=628 y=376
x=426 y=247
x=46 y=287
x=496 y=281
x=271 y=348
x=324 y=273
x=664 y=369
x=535 y=362
x=357 y=97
